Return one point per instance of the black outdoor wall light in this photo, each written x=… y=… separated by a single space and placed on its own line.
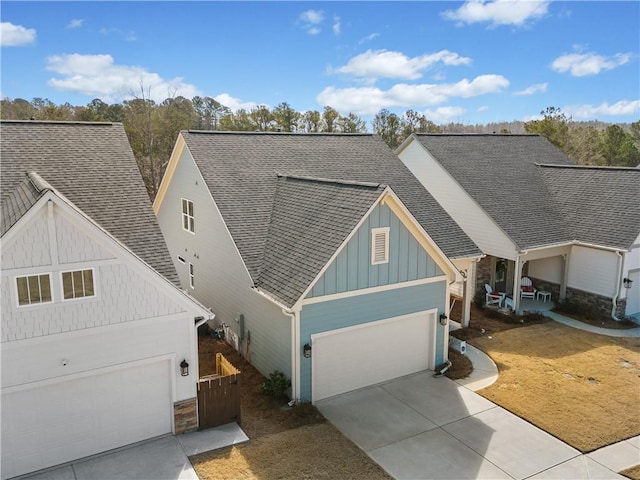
x=443 y=319
x=184 y=368
x=627 y=282
x=306 y=350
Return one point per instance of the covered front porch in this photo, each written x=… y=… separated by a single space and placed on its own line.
x=546 y=268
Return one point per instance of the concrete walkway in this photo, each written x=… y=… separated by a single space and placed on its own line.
x=611 y=332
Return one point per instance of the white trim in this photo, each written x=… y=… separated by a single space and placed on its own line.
x=17 y=293
x=376 y=234
x=367 y=291
x=84 y=297
x=84 y=332
x=191 y=219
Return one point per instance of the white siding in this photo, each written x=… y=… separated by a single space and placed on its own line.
x=631 y=270
x=593 y=270
x=33 y=249
x=40 y=359
x=466 y=212
x=549 y=269
x=122 y=293
x=221 y=279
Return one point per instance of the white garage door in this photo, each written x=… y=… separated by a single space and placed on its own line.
x=350 y=358
x=64 y=421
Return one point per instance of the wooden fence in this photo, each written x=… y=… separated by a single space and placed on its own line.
x=219 y=395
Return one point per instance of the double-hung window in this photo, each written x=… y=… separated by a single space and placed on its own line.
x=188 y=220
x=192 y=278
x=379 y=245
x=34 y=289
x=77 y=284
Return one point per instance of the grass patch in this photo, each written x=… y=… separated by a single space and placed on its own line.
x=633 y=473
x=314 y=451
x=578 y=386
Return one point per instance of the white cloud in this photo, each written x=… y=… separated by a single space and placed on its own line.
x=384 y=63
x=129 y=36
x=583 y=64
x=75 y=23
x=368 y=38
x=336 y=25
x=233 y=103
x=536 y=88
x=98 y=76
x=310 y=20
x=623 y=108
x=444 y=114
x=498 y=12
x=369 y=100
x=16 y=35
x=483 y=108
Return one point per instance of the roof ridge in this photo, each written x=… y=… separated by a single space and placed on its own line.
x=297 y=134
x=589 y=167
x=471 y=134
x=330 y=180
x=39 y=183
x=59 y=122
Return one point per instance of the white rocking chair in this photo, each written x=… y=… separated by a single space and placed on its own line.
x=527 y=290
x=493 y=297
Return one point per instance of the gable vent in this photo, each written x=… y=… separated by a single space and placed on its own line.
x=379 y=245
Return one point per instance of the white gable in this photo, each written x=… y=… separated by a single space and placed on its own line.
x=54 y=238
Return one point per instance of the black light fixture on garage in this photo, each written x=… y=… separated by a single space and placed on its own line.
x=306 y=350
x=443 y=319
x=627 y=282
x=184 y=368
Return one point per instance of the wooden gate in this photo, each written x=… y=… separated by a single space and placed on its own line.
x=219 y=395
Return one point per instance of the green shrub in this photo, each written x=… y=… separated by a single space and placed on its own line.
x=276 y=385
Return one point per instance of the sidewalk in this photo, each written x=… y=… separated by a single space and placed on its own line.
x=611 y=332
x=602 y=463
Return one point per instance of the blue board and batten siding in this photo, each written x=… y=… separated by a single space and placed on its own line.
x=352 y=270
x=359 y=309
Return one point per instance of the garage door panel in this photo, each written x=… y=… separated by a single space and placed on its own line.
x=356 y=357
x=52 y=424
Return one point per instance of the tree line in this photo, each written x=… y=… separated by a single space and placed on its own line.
x=152 y=127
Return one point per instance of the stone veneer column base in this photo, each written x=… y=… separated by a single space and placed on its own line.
x=185 y=416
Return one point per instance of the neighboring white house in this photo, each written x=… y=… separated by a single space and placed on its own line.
x=321 y=254
x=92 y=334
x=574 y=230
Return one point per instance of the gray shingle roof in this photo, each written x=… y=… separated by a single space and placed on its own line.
x=241 y=171
x=500 y=173
x=93 y=166
x=310 y=219
x=18 y=202
x=536 y=194
x=601 y=205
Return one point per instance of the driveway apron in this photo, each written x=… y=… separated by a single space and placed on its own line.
x=420 y=426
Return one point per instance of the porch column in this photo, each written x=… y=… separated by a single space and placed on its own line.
x=516 y=284
x=565 y=276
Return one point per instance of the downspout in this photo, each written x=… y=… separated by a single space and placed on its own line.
x=295 y=354
x=614 y=300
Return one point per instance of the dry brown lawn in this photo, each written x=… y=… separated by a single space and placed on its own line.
x=632 y=473
x=284 y=442
x=310 y=452
x=581 y=387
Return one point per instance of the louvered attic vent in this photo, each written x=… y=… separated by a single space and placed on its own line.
x=379 y=245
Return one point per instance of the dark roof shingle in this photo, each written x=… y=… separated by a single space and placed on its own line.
x=241 y=171
x=536 y=194
x=93 y=166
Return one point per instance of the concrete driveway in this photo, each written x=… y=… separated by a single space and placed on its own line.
x=421 y=427
x=163 y=458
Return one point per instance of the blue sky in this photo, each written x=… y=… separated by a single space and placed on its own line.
x=468 y=62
